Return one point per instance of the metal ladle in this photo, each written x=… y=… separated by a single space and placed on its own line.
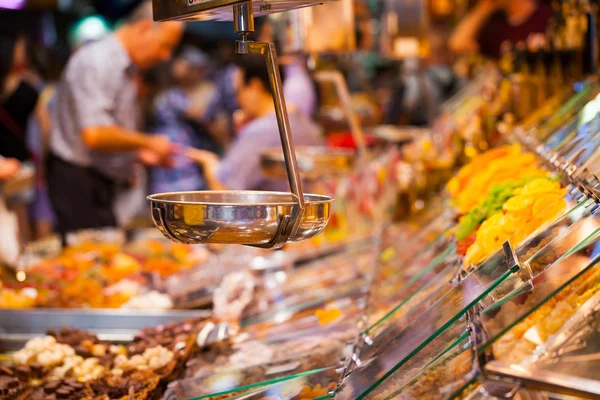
x=245 y=217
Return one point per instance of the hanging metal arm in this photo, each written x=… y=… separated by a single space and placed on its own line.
x=244 y=24
x=341 y=87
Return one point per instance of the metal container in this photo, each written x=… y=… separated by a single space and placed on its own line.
x=236 y=217
x=18 y=326
x=314 y=162
x=221 y=10
x=404 y=28
x=399 y=134
x=325 y=29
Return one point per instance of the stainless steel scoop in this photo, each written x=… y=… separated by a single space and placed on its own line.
x=262 y=219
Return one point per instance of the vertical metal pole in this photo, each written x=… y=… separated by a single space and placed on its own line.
x=285 y=131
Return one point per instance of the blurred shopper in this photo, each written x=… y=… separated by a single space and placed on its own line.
x=18 y=96
x=94 y=142
x=422 y=89
x=219 y=113
x=240 y=168
x=493 y=22
x=9 y=221
x=19 y=92
x=38 y=137
x=299 y=88
x=177 y=114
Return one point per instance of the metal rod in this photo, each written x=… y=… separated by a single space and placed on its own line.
x=285 y=132
x=341 y=87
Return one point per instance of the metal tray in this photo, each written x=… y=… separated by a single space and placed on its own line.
x=119 y=326
x=314 y=162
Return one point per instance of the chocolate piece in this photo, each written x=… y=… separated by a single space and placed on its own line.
x=6 y=371
x=51 y=386
x=63 y=393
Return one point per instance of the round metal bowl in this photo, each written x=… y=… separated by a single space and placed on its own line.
x=398 y=134
x=235 y=217
x=313 y=162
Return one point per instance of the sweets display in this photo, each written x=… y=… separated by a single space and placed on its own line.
x=100 y=275
x=395 y=317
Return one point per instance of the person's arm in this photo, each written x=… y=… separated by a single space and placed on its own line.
x=93 y=90
x=464 y=37
x=114 y=138
x=210 y=165
x=9 y=167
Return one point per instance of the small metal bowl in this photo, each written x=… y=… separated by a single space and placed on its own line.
x=313 y=162
x=236 y=217
x=398 y=134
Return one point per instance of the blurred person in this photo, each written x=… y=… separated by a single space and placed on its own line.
x=19 y=92
x=223 y=104
x=38 y=136
x=18 y=96
x=299 y=88
x=422 y=89
x=493 y=22
x=177 y=114
x=94 y=141
x=240 y=168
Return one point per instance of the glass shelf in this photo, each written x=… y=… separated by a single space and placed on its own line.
x=403 y=249
x=290 y=321
x=565 y=338
x=428 y=333
x=568 y=110
x=301 y=351
x=393 y=293
x=441 y=379
x=319 y=386
x=458 y=298
x=447 y=346
x=417 y=292
x=507 y=320
x=241 y=382
x=344 y=275
x=479 y=393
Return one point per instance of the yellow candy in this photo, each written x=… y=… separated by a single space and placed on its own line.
x=539 y=186
x=328 y=316
x=518 y=203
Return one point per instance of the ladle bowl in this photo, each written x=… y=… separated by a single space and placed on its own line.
x=254 y=218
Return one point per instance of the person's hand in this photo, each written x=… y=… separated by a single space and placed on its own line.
x=240 y=118
x=159 y=151
x=9 y=167
x=162 y=146
x=208 y=160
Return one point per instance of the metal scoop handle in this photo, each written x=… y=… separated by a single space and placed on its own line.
x=286 y=227
x=337 y=78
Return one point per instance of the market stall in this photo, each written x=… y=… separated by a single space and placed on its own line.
x=488 y=288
